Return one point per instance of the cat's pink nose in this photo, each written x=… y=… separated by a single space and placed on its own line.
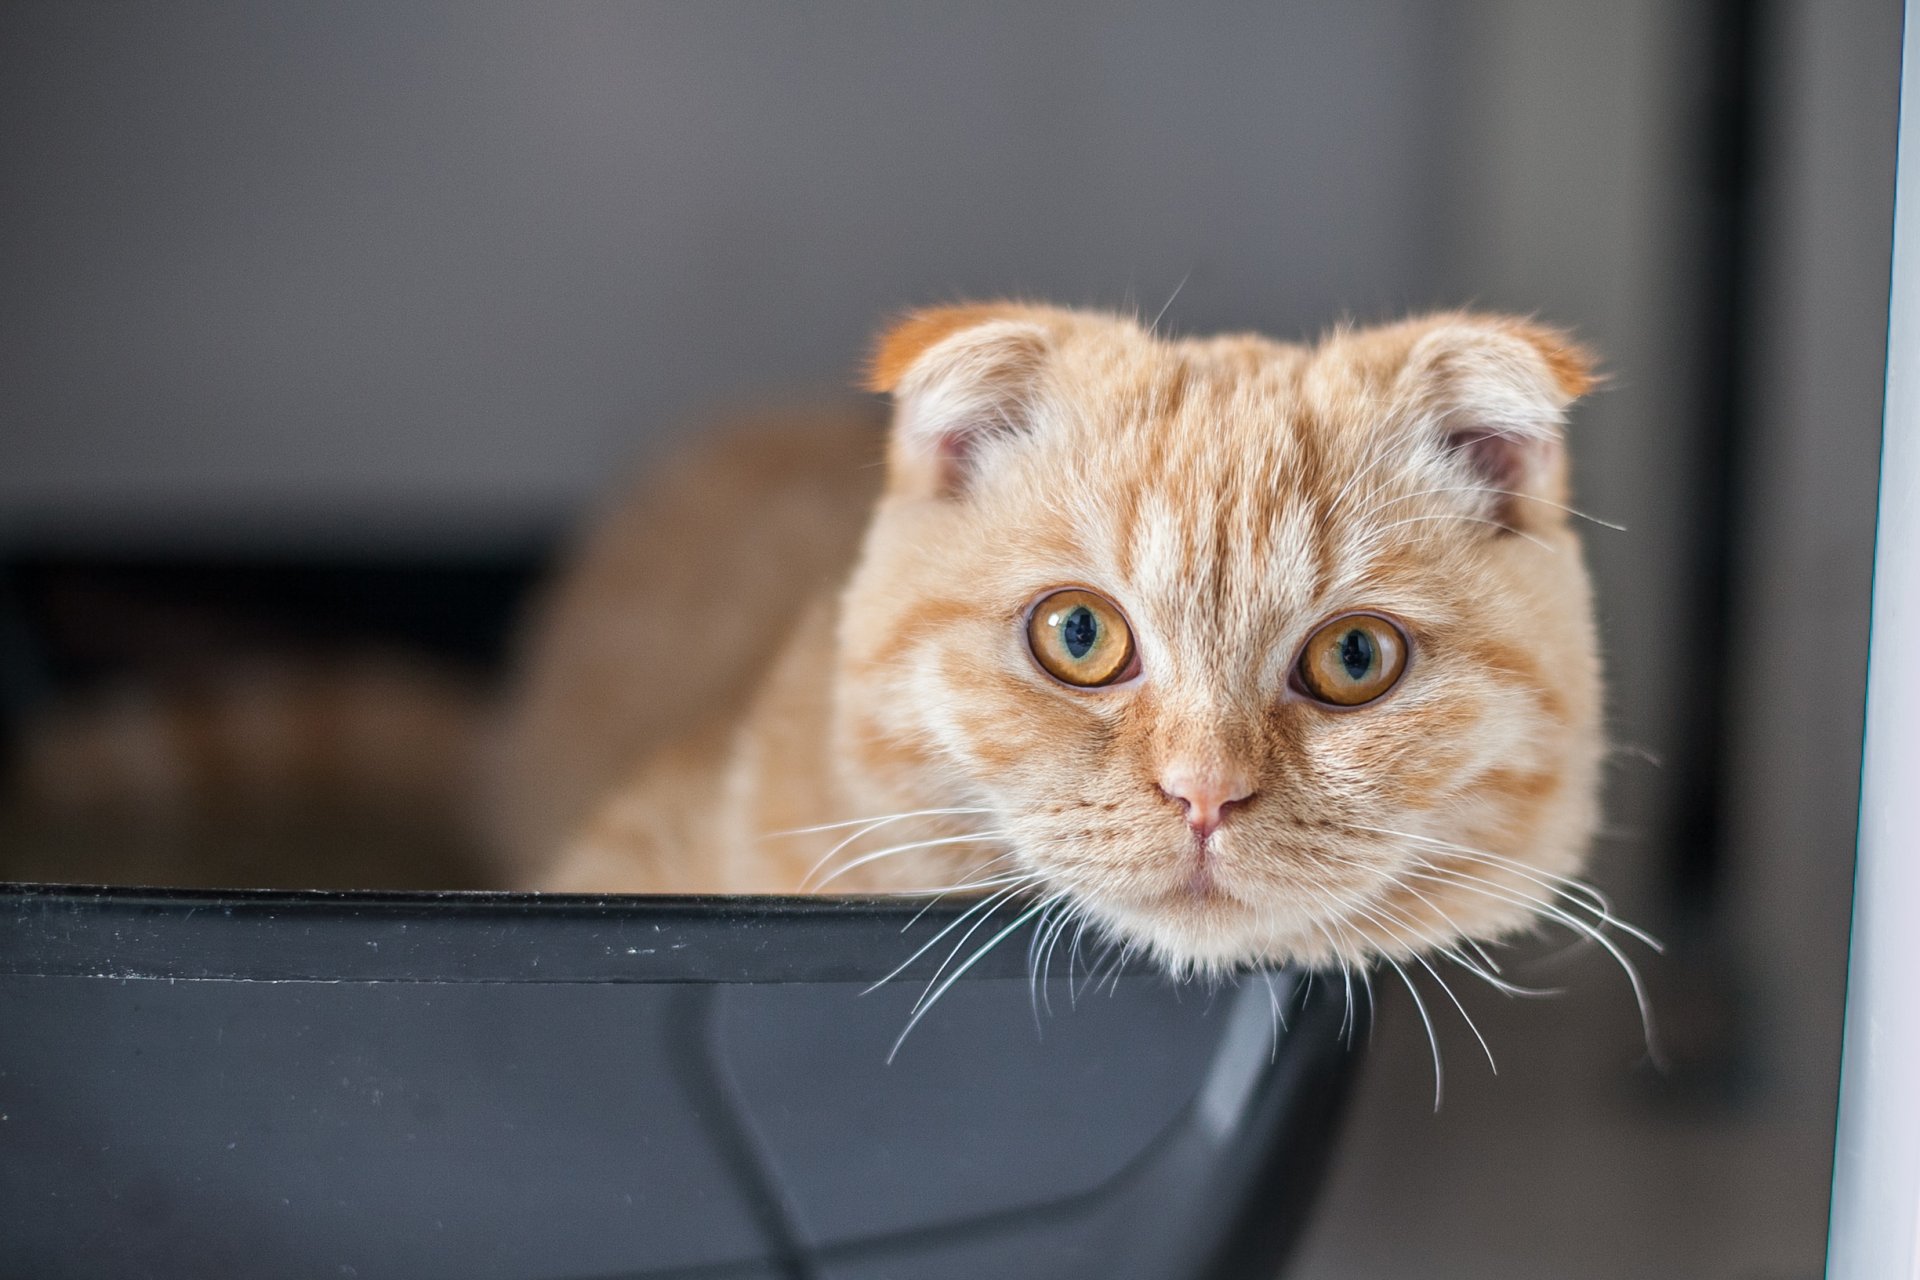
x=1205 y=795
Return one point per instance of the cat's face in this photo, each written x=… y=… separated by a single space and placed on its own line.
x=1254 y=651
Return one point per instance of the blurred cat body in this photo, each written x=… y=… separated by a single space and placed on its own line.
x=804 y=660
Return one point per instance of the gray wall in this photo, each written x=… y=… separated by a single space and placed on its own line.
x=311 y=273
x=1834 y=93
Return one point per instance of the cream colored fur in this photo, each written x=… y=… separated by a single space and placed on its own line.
x=734 y=661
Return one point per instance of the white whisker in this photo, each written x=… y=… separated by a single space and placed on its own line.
x=1346 y=977
x=1566 y=886
x=1451 y=951
x=1279 y=1022
x=1034 y=946
x=1515 y=898
x=1502 y=493
x=930 y=942
x=927 y=1001
x=866 y=858
x=1053 y=944
x=876 y=822
x=1494 y=524
x=1073 y=957
x=1005 y=897
x=1096 y=970
x=1427 y=1020
x=864 y=830
x=1352 y=480
x=1422 y=961
x=943 y=890
x=1119 y=967
x=1154 y=324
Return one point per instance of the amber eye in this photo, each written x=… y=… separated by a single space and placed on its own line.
x=1353 y=660
x=1080 y=638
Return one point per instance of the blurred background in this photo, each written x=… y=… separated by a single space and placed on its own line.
x=325 y=323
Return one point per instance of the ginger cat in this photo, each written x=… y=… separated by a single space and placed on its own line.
x=1239 y=650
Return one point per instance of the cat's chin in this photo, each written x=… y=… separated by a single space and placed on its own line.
x=1209 y=931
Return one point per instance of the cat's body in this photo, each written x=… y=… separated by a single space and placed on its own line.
x=652 y=646
x=739 y=691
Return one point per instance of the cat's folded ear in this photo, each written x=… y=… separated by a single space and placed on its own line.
x=962 y=379
x=1488 y=396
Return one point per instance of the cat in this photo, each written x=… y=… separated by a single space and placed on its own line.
x=1238 y=651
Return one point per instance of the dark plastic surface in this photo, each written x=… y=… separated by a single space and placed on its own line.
x=426 y=1085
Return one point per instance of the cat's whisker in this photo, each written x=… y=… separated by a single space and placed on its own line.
x=1493 y=966
x=866 y=826
x=1035 y=944
x=1119 y=967
x=1279 y=1020
x=1500 y=893
x=1373 y=1003
x=1053 y=944
x=1073 y=958
x=958 y=947
x=1340 y=497
x=894 y=850
x=1382 y=492
x=1365 y=949
x=1426 y=1019
x=1346 y=978
x=1494 y=980
x=1546 y=879
x=1096 y=969
x=1075 y=917
x=1547 y=547
x=987 y=867
x=1439 y=874
x=829 y=855
x=1590 y=898
x=942 y=891
x=927 y=1001
x=1414 y=949
x=1644 y=754
x=1153 y=325
x=880 y=821
x=1350 y=1017
x=1033 y=961
x=1451 y=950
x=1579 y=895
x=930 y=943
x=1502 y=985
x=1414 y=946
x=1043 y=954
x=1013 y=877
x=1490 y=973
x=1334 y=949
x=1578 y=944
x=1500 y=493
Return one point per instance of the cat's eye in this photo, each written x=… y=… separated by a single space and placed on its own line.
x=1080 y=638
x=1352 y=660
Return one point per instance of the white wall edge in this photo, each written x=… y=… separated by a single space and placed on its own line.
x=1875 y=1227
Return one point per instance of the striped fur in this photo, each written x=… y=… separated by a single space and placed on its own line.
x=1229 y=494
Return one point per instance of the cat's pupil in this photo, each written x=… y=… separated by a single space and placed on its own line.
x=1079 y=631
x=1356 y=653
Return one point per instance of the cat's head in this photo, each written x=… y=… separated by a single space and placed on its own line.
x=1255 y=651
